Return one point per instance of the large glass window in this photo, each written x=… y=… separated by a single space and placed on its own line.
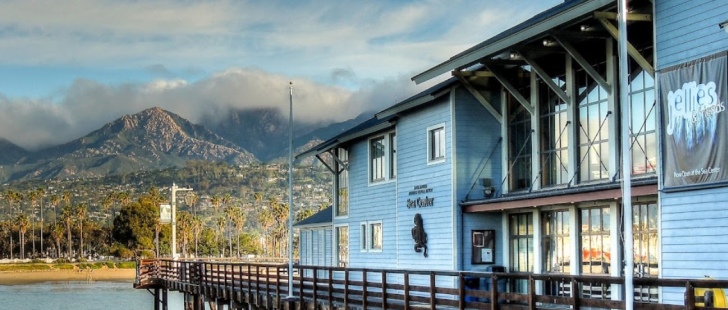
x=556 y=241
x=343 y=190
x=643 y=123
x=519 y=150
x=595 y=240
x=342 y=248
x=596 y=249
x=521 y=246
x=382 y=158
x=644 y=229
x=554 y=136
x=593 y=127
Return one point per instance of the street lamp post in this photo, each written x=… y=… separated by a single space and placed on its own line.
x=290 y=196
x=175 y=189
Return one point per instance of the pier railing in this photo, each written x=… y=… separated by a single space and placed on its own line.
x=265 y=285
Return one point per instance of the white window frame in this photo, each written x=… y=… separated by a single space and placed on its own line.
x=389 y=173
x=430 y=131
x=366 y=240
x=335 y=238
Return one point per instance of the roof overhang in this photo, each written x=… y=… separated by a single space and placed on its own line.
x=532 y=31
x=569 y=196
x=337 y=141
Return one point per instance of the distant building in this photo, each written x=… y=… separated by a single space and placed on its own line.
x=515 y=161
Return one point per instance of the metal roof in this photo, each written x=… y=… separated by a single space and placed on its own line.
x=321 y=218
x=536 y=26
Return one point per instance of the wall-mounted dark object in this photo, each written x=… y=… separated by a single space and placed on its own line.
x=419 y=235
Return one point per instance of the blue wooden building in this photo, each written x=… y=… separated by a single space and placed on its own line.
x=515 y=160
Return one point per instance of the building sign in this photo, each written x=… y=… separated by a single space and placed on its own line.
x=165 y=214
x=693 y=98
x=420 y=202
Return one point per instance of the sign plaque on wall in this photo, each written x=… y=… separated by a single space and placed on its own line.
x=420 y=202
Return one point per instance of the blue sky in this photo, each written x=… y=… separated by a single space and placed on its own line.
x=68 y=67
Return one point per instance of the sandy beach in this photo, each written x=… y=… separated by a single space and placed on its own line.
x=30 y=277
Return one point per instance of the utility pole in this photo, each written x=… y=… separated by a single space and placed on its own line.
x=175 y=189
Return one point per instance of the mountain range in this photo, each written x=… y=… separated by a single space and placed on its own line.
x=155 y=139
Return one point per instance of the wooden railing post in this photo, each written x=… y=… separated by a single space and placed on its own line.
x=494 y=292
x=384 y=290
x=346 y=288
x=689 y=296
x=278 y=287
x=315 y=288
x=406 y=291
x=250 y=282
x=364 y=289
x=433 y=290
x=331 y=289
x=575 y=294
x=461 y=291
x=531 y=293
x=267 y=280
x=300 y=288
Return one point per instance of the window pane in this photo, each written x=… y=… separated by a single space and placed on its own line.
x=377 y=158
x=393 y=155
x=376 y=236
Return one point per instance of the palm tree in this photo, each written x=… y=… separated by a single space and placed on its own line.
x=66 y=197
x=230 y=214
x=258 y=197
x=239 y=221
x=197 y=229
x=7 y=226
x=80 y=211
x=157 y=229
x=184 y=223
x=221 y=223
x=55 y=200
x=41 y=193
x=67 y=216
x=265 y=218
x=23 y=223
x=33 y=199
x=216 y=203
x=106 y=203
x=57 y=235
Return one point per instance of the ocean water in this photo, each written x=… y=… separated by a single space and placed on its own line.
x=80 y=296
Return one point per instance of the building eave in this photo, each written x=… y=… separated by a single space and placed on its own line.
x=540 y=28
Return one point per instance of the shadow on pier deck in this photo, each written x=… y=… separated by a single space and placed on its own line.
x=219 y=285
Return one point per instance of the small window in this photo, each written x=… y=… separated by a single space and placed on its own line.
x=383 y=158
x=371 y=236
x=436 y=144
x=363 y=236
x=375 y=235
x=342 y=246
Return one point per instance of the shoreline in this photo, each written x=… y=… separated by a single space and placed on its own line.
x=41 y=276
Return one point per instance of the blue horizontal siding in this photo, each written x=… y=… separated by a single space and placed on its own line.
x=694 y=236
x=688 y=30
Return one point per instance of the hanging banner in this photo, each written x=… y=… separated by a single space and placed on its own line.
x=693 y=98
x=165 y=214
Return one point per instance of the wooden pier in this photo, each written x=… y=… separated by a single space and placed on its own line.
x=219 y=285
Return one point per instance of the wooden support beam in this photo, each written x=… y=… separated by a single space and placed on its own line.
x=472 y=73
x=484 y=102
x=632 y=17
x=641 y=61
x=545 y=77
x=325 y=164
x=336 y=158
x=510 y=88
x=584 y=64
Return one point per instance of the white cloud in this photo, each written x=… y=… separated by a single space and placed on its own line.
x=88 y=105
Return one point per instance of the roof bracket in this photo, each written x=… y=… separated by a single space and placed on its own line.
x=478 y=96
x=545 y=77
x=510 y=88
x=325 y=164
x=641 y=61
x=584 y=64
